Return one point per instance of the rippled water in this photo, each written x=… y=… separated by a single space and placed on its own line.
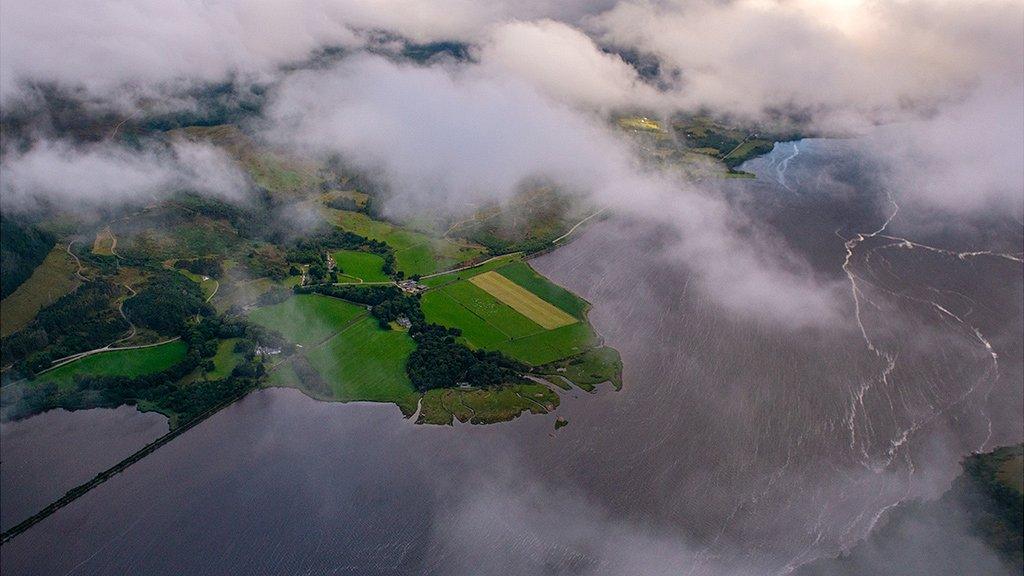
x=738 y=445
x=43 y=457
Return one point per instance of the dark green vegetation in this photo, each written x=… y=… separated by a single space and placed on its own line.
x=980 y=517
x=22 y=248
x=167 y=303
x=593 y=367
x=486 y=406
x=52 y=279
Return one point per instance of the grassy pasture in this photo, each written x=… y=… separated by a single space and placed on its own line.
x=104 y=242
x=134 y=362
x=50 y=280
x=551 y=345
x=307 y=318
x=365 y=266
x=367 y=363
x=441 y=308
x=522 y=274
x=508 y=321
x=415 y=252
x=522 y=300
x=208 y=285
x=490 y=324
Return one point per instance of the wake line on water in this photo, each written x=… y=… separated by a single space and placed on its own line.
x=783 y=165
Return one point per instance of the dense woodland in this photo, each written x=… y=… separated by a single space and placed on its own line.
x=76 y=322
x=166 y=303
x=22 y=248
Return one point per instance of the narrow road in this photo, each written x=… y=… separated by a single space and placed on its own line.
x=578 y=224
x=461 y=268
x=78 y=271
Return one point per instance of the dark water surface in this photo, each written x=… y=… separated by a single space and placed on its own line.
x=43 y=457
x=738 y=445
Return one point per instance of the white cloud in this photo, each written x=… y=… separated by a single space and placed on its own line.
x=566 y=63
x=83 y=177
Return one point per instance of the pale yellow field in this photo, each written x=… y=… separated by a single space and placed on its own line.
x=104 y=243
x=53 y=278
x=522 y=300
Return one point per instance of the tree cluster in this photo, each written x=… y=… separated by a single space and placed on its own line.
x=166 y=303
x=211 y=267
x=22 y=248
x=76 y=322
x=440 y=361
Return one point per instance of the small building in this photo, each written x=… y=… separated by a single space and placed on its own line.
x=411 y=287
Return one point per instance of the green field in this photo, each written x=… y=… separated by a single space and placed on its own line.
x=208 y=285
x=440 y=308
x=224 y=361
x=365 y=266
x=307 y=319
x=522 y=274
x=509 y=322
x=415 y=252
x=135 y=362
x=367 y=363
x=551 y=345
x=489 y=324
x=450 y=277
x=50 y=280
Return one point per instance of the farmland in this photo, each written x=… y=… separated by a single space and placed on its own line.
x=307 y=318
x=489 y=323
x=365 y=362
x=364 y=266
x=522 y=300
x=415 y=252
x=134 y=362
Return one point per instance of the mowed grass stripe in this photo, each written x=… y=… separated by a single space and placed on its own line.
x=522 y=300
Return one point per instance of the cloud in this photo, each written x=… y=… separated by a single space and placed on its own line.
x=845 y=62
x=106 y=174
x=567 y=64
x=157 y=45
x=967 y=158
x=448 y=138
